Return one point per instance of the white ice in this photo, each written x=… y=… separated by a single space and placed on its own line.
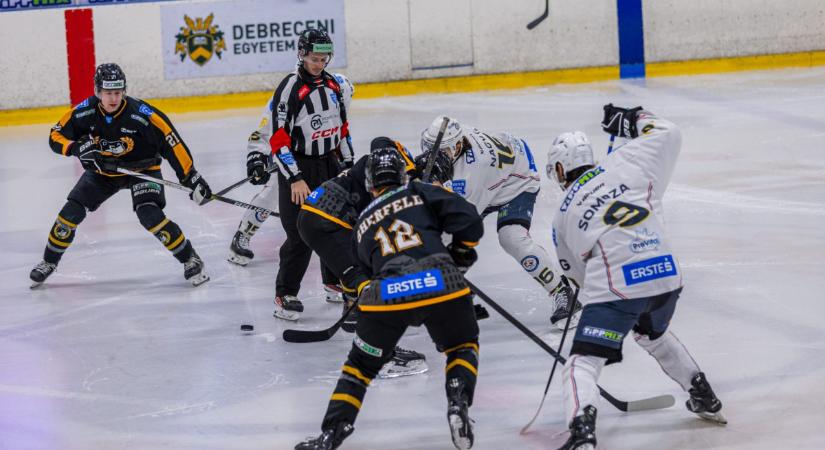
x=117 y=351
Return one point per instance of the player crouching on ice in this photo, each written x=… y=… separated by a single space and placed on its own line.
x=415 y=280
x=497 y=173
x=610 y=235
x=110 y=130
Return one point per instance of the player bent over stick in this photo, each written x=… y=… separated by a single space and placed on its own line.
x=325 y=223
x=631 y=279
x=111 y=130
x=415 y=281
x=497 y=173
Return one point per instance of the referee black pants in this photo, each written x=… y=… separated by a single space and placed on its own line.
x=295 y=254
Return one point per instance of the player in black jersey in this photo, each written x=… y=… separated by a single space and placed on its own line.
x=109 y=130
x=415 y=280
x=325 y=223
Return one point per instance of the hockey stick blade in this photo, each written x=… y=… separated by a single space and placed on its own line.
x=304 y=336
x=233 y=186
x=540 y=18
x=658 y=402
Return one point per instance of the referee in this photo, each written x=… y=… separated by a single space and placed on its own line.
x=303 y=128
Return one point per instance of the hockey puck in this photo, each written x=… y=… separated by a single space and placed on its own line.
x=247 y=327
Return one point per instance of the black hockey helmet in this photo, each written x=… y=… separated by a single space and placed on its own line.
x=385 y=166
x=109 y=76
x=314 y=40
x=442 y=170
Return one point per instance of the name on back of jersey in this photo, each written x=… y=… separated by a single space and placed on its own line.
x=394 y=207
x=412 y=284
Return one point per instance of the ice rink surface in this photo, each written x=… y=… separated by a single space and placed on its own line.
x=117 y=351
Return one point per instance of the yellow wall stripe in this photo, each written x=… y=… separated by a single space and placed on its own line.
x=417 y=304
x=356 y=373
x=347 y=398
x=461 y=362
x=326 y=216
x=471 y=83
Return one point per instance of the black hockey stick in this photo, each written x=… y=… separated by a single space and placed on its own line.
x=303 y=336
x=181 y=187
x=540 y=18
x=239 y=183
x=425 y=177
x=570 y=310
x=657 y=402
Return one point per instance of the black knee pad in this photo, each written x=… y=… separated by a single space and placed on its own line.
x=149 y=214
x=73 y=212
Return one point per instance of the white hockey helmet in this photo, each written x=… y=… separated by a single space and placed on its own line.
x=452 y=136
x=347 y=89
x=572 y=150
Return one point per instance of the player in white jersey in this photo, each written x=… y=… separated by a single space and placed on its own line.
x=497 y=173
x=611 y=241
x=239 y=251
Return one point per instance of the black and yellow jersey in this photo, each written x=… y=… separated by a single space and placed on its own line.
x=398 y=244
x=137 y=135
x=341 y=199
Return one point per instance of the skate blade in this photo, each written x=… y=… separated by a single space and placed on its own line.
x=334 y=298
x=391 y=370
x=292 y=316
x=716 y=417
x=574 y=322
x=238 y=259
x=456 y=427
x=199 y=279
x=36 y=284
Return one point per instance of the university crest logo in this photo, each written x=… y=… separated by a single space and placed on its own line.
x=199 y=39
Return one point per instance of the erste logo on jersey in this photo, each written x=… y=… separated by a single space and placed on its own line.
x=649 y=270
x=313 y=197
x=412 y=284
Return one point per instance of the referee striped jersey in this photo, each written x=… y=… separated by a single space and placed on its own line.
x=305 y=117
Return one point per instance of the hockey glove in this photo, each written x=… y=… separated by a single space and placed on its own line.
x=620 y=122
x=256 y=164
x=87 y=151
x=464 y=256
x=200 y=188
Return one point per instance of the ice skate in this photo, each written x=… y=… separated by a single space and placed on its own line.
x=329 y=439
x=288 y=307
x=561 y=300
x=40 y=272
x=193 y=270
x=703 y=401
x=333 y=293
x=461 y=426
x=404 y=363
x=582 y=431
x=239 y=252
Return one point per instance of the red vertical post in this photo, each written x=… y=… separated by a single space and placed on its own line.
x=80 y=53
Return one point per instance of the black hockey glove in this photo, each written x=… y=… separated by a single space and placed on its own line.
x=88 y=152
x=620 y=122
x=463 y=255
x=256 y=165
x=200 y=188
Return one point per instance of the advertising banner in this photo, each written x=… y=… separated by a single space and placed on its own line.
x=209 y=39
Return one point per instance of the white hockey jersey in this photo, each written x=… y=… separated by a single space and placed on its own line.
x=609 y=231
x=494 y=170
